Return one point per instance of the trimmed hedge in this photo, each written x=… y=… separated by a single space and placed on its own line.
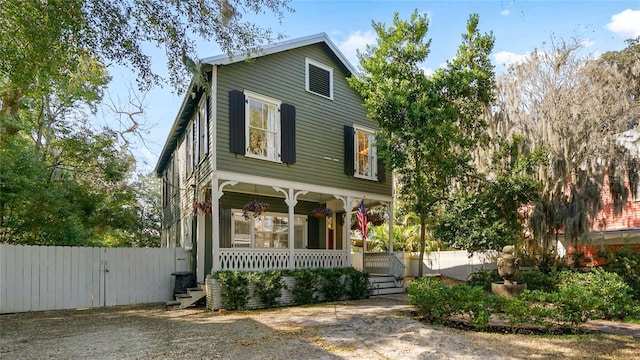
x=309 y=286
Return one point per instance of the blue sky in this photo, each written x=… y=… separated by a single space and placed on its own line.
x=518 y=26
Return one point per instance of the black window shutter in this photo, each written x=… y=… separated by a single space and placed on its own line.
x=288 y=139
x=313 y=232
x=349 y=164
x=382 y=170
x=236 y=122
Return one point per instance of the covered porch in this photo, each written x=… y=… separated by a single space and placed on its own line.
x=286 y=235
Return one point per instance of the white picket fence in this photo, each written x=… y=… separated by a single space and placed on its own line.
x=35 y=278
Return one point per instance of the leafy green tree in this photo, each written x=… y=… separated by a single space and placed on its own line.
x=488 y=215
x=428 y=125
x=41 y=42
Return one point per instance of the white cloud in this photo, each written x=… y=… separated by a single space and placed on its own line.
x=507 y=58
x=427 y=71
x=356 y=41
x=505 y=12
x=626 y=23
x=587 y=43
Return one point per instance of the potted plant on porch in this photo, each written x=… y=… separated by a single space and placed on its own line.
x=321 y=212
x=254 y=206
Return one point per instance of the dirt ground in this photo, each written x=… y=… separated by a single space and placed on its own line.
x=376 y=328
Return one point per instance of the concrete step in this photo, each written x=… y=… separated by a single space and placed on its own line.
x=386 y=291
x=377 y=279
x=385 y=285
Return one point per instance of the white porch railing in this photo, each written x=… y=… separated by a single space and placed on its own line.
x=383 y=264
x=278 y=259
x=311 y=259
x=254 y=260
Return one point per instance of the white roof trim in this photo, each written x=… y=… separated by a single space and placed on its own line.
x=284 y=46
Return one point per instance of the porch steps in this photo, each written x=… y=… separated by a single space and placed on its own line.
x=192 y=296
x=383 y=285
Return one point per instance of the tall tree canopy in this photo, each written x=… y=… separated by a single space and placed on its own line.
x=41 y=41
x=576 y=108
x=428 y=125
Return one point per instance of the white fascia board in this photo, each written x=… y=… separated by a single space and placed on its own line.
x=251 y=179
x=283 y=46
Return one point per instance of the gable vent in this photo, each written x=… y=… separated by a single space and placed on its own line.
x=319 y=79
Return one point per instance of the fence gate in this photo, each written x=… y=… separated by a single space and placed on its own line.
x=35 y=278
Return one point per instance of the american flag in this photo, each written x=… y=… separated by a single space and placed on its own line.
x=362 y=220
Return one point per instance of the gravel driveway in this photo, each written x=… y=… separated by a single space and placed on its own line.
x=376 y=328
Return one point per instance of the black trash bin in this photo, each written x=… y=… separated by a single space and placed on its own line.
x=184 y=280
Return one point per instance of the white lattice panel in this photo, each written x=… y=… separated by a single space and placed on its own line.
x=311 y=259
x=254 y=260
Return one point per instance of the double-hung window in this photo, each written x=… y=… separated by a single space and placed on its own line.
x=263 y=127
x=365 y=154
x=270 y=230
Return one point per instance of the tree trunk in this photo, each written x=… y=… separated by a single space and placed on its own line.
x=422 y=244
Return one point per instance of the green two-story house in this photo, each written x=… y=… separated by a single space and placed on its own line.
x=253 y=152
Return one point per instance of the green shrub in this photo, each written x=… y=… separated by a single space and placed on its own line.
x=484 y=279
x=268 y=286
x=356 y=284
x=432 y=298
x=437 y=302
x=305 y=287
x=330 y=284
x=599 y=294
x=234 y=288
x=625 y=262
x=538 y=280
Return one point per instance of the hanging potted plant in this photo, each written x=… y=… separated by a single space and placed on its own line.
x=321 y=212
x=375 y=218
x=202 y=207
x=254 y=206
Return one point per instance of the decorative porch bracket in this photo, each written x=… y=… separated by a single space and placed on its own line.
x=291 y=199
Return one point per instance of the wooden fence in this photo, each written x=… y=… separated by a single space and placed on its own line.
x=35 y=278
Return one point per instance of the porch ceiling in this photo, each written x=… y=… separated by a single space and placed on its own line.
x=268 y=191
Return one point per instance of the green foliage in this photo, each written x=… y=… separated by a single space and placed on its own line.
x=596 y=294
x=234 y=287
x=306 y=286
x=484 y=279
x=537 y=280
x=625 y=262
x=330 y=284
x=268 y=286
x=116 y=30
x=356 y=283
x=488 y=216
x=566 y=299
x=437 y=302
x=428 y=125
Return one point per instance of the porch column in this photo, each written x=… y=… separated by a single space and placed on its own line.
x=391 y=221
x=216 y=194
x=291 y=199
x=348 y=207
x=199 y=246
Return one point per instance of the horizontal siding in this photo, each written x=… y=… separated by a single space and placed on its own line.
x=319 y=121
x=180 y=203
x=231 y=200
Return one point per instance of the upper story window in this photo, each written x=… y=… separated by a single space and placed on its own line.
x=203 y=129
x=263 y=127
x=365 y=154
x=319 y=78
